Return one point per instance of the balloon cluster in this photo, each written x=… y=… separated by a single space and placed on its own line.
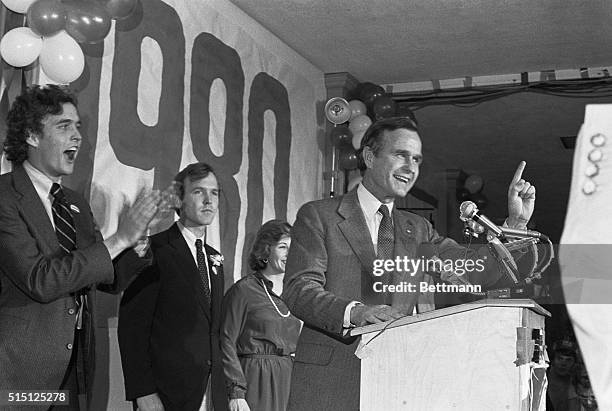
x=55 y=27
x=471 y=190
x=370 y=103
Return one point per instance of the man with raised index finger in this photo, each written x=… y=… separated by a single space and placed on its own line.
x=329 y=281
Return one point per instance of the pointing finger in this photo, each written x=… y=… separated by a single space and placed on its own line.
x=518 y=174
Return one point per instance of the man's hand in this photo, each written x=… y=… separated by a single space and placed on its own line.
x=134 y=221
x=521 y=199
x=239 y=404
x=371 y=314
x=150 y=402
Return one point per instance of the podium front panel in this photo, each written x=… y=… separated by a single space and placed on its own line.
x=464 y=361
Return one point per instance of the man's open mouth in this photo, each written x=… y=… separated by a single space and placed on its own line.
x=71 y=153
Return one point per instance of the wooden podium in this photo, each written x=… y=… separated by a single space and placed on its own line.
x=486 y=355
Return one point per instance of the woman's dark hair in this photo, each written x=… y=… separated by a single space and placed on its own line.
x=373 y=136
x=268 y=235
x=26 y=115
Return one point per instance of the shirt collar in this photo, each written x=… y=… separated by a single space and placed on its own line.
x=42 y=182
x=189 y=236
x=369 y=203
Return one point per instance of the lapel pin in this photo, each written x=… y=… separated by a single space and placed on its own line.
x=74 y=208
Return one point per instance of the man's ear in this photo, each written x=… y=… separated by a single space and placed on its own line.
x=368 y=156
x=33 y=139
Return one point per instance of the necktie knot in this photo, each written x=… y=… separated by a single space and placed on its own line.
x=57 y=192
x=198 y=244
x=384 y=210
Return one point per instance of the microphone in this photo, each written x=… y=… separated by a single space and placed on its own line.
x=469 y=211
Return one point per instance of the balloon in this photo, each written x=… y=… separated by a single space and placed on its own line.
x=62 y=58
x=119 y=9
x=46 y=17
x=357 y=137
x=383 y=107
x=20 y=46
x=480 y=200
x=18 y=6
x=462 y=194
x=347 y=159
x=86 y=21
x=359 y=123
x=403 y=110
x=369 y=92
x=340 y=135
x=357 y=108
x=353 y=182
x=473 y=183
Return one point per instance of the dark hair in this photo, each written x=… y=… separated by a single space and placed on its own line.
x=268 y=235
x=26 y=115
x=373 y=136
x=194 y=171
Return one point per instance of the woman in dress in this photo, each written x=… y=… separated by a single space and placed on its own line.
x=259 y=334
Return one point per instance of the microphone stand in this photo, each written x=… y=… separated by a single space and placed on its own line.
x=501 y=251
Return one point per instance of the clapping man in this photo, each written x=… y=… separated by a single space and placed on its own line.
x=53 y=256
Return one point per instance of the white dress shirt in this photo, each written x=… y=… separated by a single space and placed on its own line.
x=42 y=184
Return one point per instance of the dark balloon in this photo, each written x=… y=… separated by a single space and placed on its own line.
x=403 y=110
x=369 y=93
x=340 y=136
x=119 y=9
x=463 y=195
x=86 y=21
x=46 y=17
x=383 y=107
x=348 y=158
x=480 y=200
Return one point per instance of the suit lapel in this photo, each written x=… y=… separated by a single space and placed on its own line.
x=216 y=283
x=353 y=228
x=34 y=211
x=357 y=234
x=189 y=269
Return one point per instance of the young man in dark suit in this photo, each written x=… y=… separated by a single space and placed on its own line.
x=329 y=278
x=53 y=256
x=169 y=319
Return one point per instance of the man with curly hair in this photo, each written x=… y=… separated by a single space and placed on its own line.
x=53 y=256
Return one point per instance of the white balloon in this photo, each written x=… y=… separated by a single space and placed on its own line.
x=357 y=108
x=357 y=137
x=62 y=58
x=360 y=123
x=20 y=46
x=18 y=6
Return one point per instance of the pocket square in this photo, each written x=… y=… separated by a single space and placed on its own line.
x=75 y=208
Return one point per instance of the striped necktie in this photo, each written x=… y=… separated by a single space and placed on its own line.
x=64 y=224
x=66 y=236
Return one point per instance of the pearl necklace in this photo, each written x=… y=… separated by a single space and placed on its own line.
x=272 y=301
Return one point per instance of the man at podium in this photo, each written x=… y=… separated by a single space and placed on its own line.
x=330 y=281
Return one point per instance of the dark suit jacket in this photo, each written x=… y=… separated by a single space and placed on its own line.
x=329 y=265
x=168 y=337
x=37 y=313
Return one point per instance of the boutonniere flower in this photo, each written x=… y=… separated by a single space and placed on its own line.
x=216 y=260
